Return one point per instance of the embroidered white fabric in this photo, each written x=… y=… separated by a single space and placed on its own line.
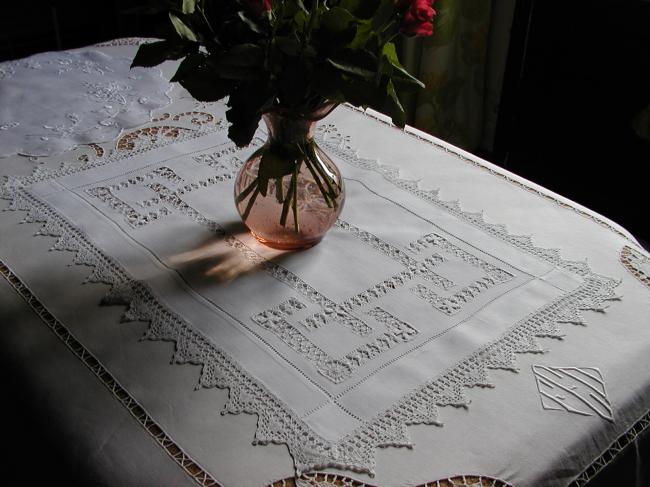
x=396 y=313
x=54 y=101
x=407 y=303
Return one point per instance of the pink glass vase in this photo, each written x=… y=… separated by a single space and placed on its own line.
x=289 y=193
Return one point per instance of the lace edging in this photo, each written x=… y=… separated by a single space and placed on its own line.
x=613 y=451
x=125 y=41
x=334 y=480
x=427 y=138
x=339 y=144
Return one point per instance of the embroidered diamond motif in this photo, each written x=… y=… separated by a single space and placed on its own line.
x=579 y=390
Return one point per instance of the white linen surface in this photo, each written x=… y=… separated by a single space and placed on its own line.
x=412 y=285
x=53 y=101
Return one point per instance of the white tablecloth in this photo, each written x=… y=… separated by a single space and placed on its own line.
x=490 y=326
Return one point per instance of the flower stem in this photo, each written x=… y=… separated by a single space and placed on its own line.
x=249 y=206
x=242 y=196
x=318 y=165
x=295 y=197
x=278 y=189
x=287 y=202
x=325 y=194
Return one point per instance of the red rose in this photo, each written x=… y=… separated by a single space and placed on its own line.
x=258 y=7
x=418 y=17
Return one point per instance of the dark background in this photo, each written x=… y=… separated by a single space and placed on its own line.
x=578 y=73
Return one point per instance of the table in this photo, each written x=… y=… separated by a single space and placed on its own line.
x=458 y=326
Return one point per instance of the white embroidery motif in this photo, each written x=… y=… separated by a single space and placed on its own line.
x=579 y=390
x=104 y=93
x=335 y=369
x=225 y=163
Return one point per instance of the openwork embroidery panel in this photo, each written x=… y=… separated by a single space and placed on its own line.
x=355 y=450
x=275 y=320
x=397 y=331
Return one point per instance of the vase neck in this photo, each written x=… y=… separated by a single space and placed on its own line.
x=288 y=129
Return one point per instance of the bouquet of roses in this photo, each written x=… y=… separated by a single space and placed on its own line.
x=291 y=61
x=296 y=55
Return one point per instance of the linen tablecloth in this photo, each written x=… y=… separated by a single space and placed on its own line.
x=456 y=321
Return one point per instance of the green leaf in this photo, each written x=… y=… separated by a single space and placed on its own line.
x=201 y=79
x=188 y=65
x=384 y=14
x=336 y=27
x=358 y=62
x=188 y=6
x=293 y=83
x=301 y=6
x=327 y=82
x=363 y=34
x=362 y=9
x=204 y=85
x=301 y=19
x=403 y=84
x=247 y=103
x=182 y=29
x=288 y=45
x=252 y=24
x=390 y=53
x=243 y=55
x=394 y=107
x=239 y=73
x=157 y=52
x=353 y=69
x=336 y=20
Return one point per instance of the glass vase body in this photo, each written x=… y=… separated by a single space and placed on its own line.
x=289 y=192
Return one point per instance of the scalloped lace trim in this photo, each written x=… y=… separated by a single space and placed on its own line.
x=637 y=263
x=277 y=423
x=334 y=480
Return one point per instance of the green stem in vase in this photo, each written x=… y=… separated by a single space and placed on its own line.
x=287 y=202
x=249 y=206
x=310 y=165
x=242 y=196
x=328 y=199
x=278 y=189
x=295 y=197
x=319 y=166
